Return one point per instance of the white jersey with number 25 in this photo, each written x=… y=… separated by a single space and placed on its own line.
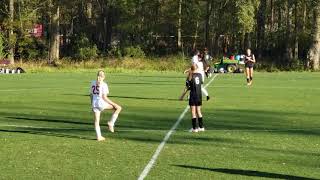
x=97 y=91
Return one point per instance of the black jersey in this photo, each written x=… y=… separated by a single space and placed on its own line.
x=195 y=83
x=247 y=58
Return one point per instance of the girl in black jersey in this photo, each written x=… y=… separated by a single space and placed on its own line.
x=195 y=100
x=249 y=60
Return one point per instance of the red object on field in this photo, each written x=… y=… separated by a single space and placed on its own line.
x=37 y=30
x=232 y=57
x=4 y=62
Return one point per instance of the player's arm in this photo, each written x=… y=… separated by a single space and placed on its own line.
x=187 y=71
x=253 y=59
x=91 y=98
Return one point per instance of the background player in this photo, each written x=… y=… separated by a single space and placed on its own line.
x=249 y=61
x=195 y=100
x=99 y=102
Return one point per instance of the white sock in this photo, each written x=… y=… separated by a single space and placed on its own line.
x=113 y=119
x=98 y=131
x=204 y=91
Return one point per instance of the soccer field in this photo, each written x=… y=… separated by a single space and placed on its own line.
x=268 y=130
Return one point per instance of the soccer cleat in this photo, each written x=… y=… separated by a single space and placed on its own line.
x=110 y=126
x=194 y=130
x=101 y=138
x=208 y=97
x=201 y=129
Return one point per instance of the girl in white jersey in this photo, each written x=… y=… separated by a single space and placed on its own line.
x=99 y=101
x=202 y=69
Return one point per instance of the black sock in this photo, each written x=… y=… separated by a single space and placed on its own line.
x=200 y=122
x=194 y=123
x=248 y=80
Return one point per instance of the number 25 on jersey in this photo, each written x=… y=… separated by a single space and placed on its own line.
x=95 y=90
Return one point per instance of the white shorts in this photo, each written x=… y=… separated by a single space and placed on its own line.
x=103 y=107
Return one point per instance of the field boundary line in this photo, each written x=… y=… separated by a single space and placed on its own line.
x=149 y=166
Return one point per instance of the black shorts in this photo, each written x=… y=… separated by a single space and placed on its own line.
x=249 y=65
x=195 y=101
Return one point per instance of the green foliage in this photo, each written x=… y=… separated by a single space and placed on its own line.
x=31 y=48
x=83 y=49
x=245 y=15
x=134 y=51
x=2 y=47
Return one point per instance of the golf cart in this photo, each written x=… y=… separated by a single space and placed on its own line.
x=230 y=65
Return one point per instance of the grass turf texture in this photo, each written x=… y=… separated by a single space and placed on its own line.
x=269 y=130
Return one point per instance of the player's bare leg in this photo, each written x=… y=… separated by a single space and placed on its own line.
x=251 y=75
x=194 y=119
x=248 y=76
x=97 y=126
x=117 y=109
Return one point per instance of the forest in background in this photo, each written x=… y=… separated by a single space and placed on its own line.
x=281 y=33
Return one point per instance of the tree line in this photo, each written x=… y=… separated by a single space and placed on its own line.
x=284 y=33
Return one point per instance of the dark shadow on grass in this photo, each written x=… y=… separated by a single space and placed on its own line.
x=145 y=98
x=49 y=120
x=46 y=132
x=250 y=173
x=275 y=122
x=152 y=83
x=149 y=76
x=130 y=97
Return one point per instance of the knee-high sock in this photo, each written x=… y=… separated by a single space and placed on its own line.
x=194 y=123
x=114 y=118
x=204 y=91
x=200 y=121
x=98 y=131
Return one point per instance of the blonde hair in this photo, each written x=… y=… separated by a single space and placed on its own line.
x=100 y=76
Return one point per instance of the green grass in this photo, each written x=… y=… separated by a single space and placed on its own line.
x=269 y=130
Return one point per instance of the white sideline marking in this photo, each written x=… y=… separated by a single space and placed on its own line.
x=147 y=169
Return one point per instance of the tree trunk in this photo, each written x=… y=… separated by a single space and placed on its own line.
x=196 y=35
x=304 y=19
x=247 y=41
x=272 y=16
x=11 y=34
x=289 y=50
x=314 y=52
x=296 y=32
x=261 y=26
x=179 y=24
x=207 y=22
x=55 y=34
x=89 y=10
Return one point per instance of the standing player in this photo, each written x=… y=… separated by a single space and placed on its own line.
x=99 y=102
x=202 y=69
x=197 y=60
x=195 y=100
x=249 y=61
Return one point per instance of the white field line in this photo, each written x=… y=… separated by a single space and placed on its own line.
x=149 y=166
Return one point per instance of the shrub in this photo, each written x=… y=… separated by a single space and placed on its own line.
x=134 y=52
x=83 y=49
x=31 y=48
x=2 y=48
